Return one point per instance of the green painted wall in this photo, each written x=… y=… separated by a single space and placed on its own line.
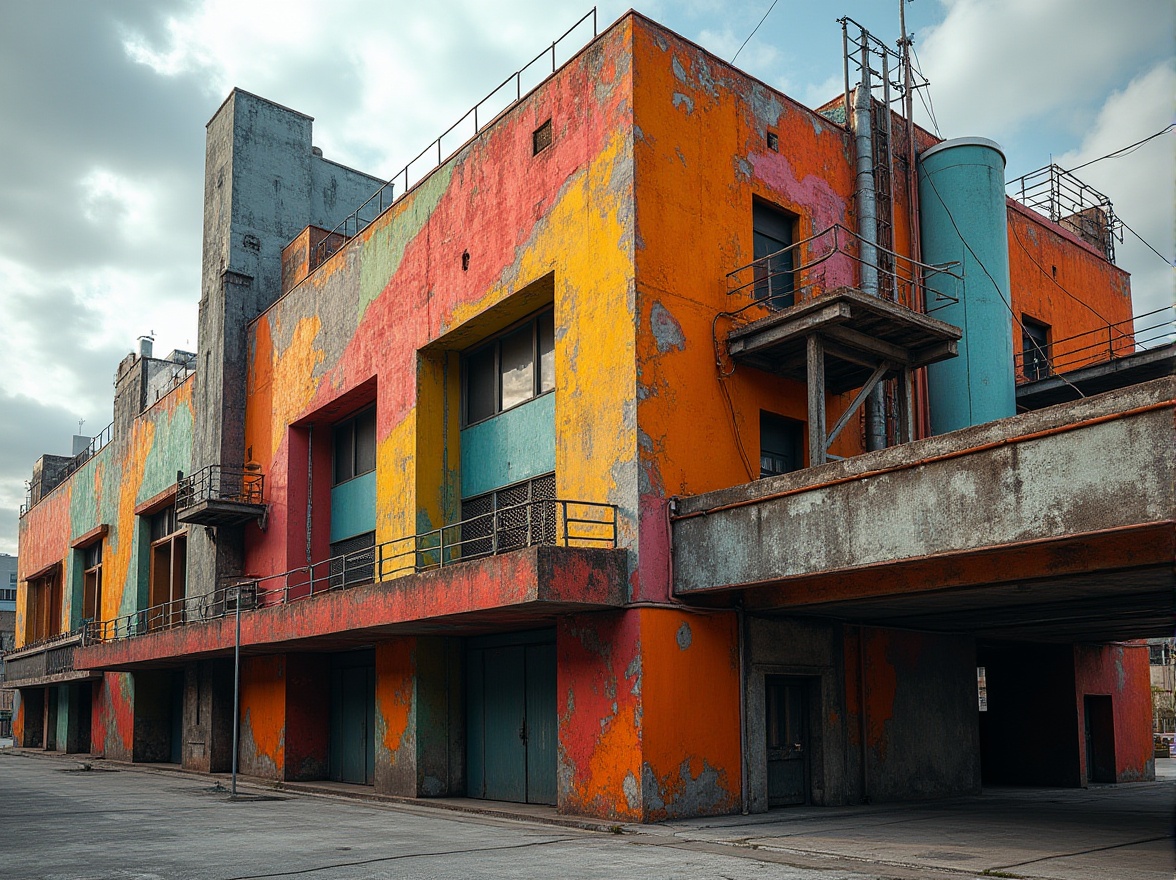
x=515 y=445
x=353 y=507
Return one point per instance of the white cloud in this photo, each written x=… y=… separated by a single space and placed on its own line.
x=1142 y=184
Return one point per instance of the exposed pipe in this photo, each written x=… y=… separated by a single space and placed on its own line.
x=309 y=486
x=867 y=221
x=743 y=785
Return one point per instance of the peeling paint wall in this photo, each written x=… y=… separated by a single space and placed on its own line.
x=1122 y=673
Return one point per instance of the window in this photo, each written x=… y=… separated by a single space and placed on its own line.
x=772 y=231
x=92 y=581
x=43 y=606
x=515 y=367
x=8 y=594
x=781 y=444
x=168 y=569
x=509 y=518
x=1034 y=349
x=355 y=446
x=541 y=138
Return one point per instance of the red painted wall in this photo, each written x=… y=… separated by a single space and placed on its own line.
x=1120 y=671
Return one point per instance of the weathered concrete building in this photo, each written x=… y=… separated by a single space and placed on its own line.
x=475 y=467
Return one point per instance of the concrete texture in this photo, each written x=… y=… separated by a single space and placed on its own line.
x=1120 y=832
x=1102 y=464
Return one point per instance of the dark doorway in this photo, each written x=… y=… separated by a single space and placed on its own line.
x=1100 y=738
x=511 y=718
x=786 y=725
x=176 y=720
x=353 y=718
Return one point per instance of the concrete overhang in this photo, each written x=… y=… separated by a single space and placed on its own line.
x=1051 y=524
x=524 y=588
x=47 y=663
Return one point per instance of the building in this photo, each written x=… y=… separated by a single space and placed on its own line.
x=627 y=461
x=7 y=633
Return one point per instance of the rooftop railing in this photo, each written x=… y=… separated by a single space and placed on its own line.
x=97 y=442
x=830 y=259
x=1109 y=342
x=558 y=522
x=1057 y=194
x=501 y=99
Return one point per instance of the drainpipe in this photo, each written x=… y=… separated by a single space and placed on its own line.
x=867 y=220
x=743 y=788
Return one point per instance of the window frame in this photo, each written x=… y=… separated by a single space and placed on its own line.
x=350 y=423
x=1039 y=366
x=172 y=541
x=764 y=289
x=793 y=428
x=495 y=343
x=91 y=560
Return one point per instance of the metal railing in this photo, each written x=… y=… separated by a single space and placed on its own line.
x=1102 y=344
x=217 y=482
x=97 y=442
x=50 y=656
x=1057 y=194
x=830 y=259
x=432 y=156
x=558 y=522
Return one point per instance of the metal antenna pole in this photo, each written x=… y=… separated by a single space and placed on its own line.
x=236 y=689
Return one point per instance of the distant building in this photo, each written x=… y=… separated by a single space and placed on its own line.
x=669 y=449
x=1162 y=656
x=7 y=633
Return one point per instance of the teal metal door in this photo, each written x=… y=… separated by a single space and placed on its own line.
x=353 y=716
x=511 y=720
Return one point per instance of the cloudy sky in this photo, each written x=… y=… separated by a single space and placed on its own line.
x=103 y=107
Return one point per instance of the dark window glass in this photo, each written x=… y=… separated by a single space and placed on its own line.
x=355 y=446
x=781 y=442
x=481 y=379
x=365 y=442
x=546 y=324
x=344 y=452
x=772 y=231
x=1034 y=348
x=541 y=138
x=163 y=523
x=517 y=356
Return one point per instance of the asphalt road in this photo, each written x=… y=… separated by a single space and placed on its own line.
x=136 y=823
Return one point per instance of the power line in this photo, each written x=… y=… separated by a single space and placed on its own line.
x=753 y=30
x=1144 y=240
x=1123 y=151
x=929 y=104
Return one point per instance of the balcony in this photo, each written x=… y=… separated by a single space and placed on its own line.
x=798 y=313
x=1051 y=525
x=221 y=496
x=47 y=662
x=517 y=566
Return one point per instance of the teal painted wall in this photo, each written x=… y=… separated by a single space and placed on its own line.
x=515 y=445
x=353 y=507
x=962 y=217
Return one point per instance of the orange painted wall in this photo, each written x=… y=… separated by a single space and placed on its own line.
x=1122 y=672
x=690 y=709
x=263 y=716
x=1060 y=280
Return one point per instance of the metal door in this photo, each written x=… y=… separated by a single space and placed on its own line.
x=1099 y=724
x=511 y=722
x=786 y=723
x=353 y=711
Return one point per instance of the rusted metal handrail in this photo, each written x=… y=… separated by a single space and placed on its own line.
x=1099 y=345
x=555 y=522
x=385 y=196
x=1055 y=193
x=97 y=442
x=830 y=259
x=218 y=482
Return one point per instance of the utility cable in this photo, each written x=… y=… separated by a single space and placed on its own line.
x=1123 y=151
x=929 y=104
x=1055 y=282
x=753 y=30
x=1141 y=238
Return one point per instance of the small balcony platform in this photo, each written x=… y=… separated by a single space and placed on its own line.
x=221 y=496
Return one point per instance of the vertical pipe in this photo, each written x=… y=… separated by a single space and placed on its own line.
x=236 y=690
x=845 y=69
x=741 y=621
x=868 y=229
x=309 y=486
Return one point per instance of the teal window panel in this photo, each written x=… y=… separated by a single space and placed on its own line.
x=353 y=507
x=513 y=446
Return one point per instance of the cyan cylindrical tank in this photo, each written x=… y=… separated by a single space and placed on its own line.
x=962 y=219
